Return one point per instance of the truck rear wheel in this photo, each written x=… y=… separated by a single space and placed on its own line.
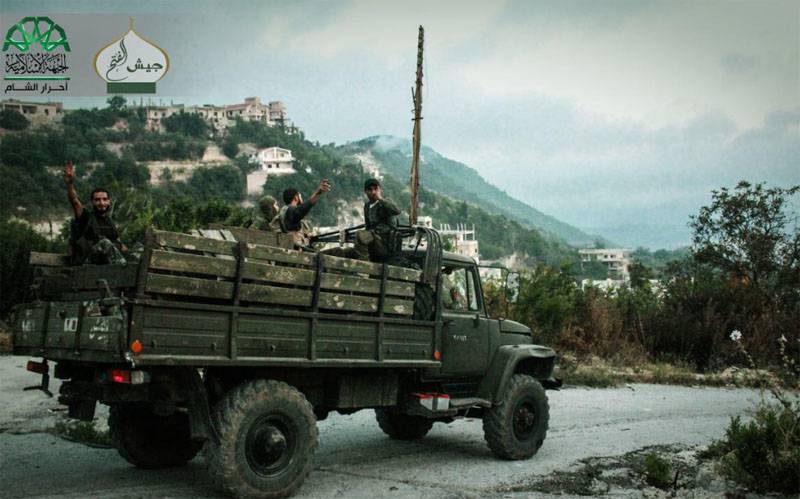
x=267 y=439
x=148 y=440
x=401 y=426
x=516 y=427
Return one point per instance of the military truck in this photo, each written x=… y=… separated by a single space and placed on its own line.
x=240 y=344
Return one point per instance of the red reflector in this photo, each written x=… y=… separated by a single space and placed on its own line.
x=120 y=376
x=136 y=346
x=37 y=367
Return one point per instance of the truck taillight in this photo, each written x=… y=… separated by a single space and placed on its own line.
x=128 y=377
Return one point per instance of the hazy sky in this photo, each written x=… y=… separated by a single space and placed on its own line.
x=601 y=113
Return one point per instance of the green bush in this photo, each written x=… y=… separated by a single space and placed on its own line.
x=13 y=120
x=657 y=471
x=17 y=240
x=764 y=454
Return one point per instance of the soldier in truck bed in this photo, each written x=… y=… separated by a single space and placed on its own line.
x=94 y=238
x=290 y=218
x=379 y=238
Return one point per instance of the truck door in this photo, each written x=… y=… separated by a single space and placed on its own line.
x=465 y=339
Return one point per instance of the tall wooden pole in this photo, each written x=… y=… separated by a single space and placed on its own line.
x=416 y=94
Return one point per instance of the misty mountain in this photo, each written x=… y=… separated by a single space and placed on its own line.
x=392 y=155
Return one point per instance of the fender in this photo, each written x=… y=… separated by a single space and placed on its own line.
x=536 y=360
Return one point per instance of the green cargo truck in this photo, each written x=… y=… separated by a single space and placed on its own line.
x=240 y=345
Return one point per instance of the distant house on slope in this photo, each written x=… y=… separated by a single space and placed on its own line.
x=270 y=161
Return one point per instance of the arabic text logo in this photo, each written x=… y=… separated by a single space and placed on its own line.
x=37 y=72
x=32 y=30
x=131 y=64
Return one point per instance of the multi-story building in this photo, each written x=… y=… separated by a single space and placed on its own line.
x=462 y=237
x=270 y=161
x=154 y=115
x=215 y=116
x=221 y=117
x=616 y=259
x=36 y=112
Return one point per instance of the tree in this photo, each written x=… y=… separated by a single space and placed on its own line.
x=746 y=233
x=192 y=125
x=13 y=120
x=116 y=103
x=640 y=274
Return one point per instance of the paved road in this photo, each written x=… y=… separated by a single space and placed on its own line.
x=356 y=460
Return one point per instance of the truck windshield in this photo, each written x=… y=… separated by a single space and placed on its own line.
x=458 y=289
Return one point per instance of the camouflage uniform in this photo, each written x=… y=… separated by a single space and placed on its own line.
x=95 y=239
x=379 y=239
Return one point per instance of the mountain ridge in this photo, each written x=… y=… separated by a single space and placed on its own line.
x=459 y=181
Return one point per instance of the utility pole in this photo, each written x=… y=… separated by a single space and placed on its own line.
x=416 y=94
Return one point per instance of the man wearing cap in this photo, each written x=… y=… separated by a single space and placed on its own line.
x=379 y=238
x=290 y=218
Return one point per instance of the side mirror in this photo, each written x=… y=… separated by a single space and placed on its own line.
x=512 y=287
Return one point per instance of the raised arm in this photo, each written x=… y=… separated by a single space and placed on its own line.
x=323 y=187
x=69 y=179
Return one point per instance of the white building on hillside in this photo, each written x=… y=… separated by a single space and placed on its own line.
x=270 y=161
x=36 y=112
x=616 y=259
x=221 y=117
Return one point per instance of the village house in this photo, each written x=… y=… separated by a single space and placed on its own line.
x=36 y=112
x=617 y=260
x=269 y=161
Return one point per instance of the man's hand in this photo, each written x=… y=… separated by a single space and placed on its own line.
x=324 y=186
x=69 y=173
x=69 y=179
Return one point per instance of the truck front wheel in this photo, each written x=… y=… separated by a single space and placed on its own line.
x=516 y=427
x=401 y=426
x=267 y=439
x=148 y=440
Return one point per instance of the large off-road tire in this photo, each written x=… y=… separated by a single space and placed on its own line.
x=401 y=426
x=516 y=427
x=267 y=439
x=424 y=305
x=148 y=440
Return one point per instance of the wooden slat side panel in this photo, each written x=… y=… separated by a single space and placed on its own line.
x=351 y=265
x=193 y=243
x=340 y=282
x=367 y=304
x=349 y=303
x=404 y=274
x=258 y=252
x=277 y=273
x=87 y=276
x=362 y=267
x=275 y=295
x=398 y=306
x=184 y=262
x=48 y=259
x=189 y=286
x=255 y=236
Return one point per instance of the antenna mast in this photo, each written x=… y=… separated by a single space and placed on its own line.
x=416 y=95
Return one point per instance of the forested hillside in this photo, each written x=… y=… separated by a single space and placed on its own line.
x=459 y=181
x=30 y=159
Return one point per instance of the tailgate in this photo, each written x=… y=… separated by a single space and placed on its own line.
x=92 y=330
